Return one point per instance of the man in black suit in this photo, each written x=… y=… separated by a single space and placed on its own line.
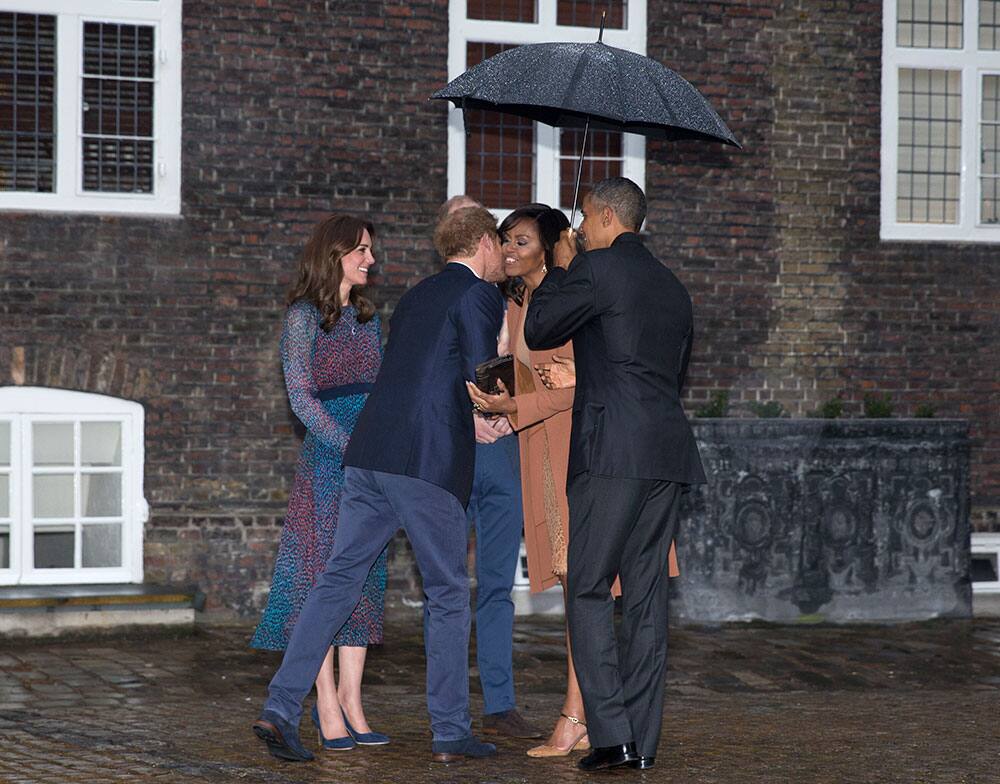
x=632 y=452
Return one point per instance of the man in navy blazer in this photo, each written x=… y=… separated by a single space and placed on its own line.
x=410 y=465
x=632 y=452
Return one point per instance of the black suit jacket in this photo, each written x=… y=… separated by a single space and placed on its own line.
x=630 y=321
x=418 y=419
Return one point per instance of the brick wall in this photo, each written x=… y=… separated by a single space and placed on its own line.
x=294 y=108
x=291 y=109
x=797 y=300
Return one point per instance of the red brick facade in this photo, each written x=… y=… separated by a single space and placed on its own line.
x=295 y=108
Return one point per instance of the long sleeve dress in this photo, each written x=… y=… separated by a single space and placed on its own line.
x=328 y=376
x=543 y=422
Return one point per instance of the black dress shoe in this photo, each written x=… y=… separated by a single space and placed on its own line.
x=643 y=763
x=604 y=757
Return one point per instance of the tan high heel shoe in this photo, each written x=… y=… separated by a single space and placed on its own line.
x=582 y=743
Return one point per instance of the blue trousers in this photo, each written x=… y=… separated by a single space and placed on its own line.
x=495 y=510
x=373 y=507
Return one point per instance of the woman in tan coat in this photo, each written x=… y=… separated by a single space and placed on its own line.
x=542 y=419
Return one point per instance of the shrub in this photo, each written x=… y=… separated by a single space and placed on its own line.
x=830 y=409
x=717 y=406
x=925 y=411
x=772 y=409
x=878 y=406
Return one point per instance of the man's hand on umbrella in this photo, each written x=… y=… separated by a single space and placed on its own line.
x=565 y=249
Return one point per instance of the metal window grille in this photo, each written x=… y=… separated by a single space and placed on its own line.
x=502 y=10
x=989 y=25
x=929 y=148
x=605 y=158
x=118 y=89
x=930 y=24
x=500 y=149
x=27 y=102
x=989 y=179
x=587 y=13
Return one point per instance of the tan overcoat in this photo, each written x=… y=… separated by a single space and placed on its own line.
x=544 y=416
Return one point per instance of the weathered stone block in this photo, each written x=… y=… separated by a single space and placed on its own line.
x=846 y=520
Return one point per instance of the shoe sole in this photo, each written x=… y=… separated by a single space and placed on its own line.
x=450 y=758
x=270 y=734
x=622 y=764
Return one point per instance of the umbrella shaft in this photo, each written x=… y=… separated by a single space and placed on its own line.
x=579 y=171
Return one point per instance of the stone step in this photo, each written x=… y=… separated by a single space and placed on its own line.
x=50 y=610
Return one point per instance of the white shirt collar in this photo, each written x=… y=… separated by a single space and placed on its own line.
x=456 y=261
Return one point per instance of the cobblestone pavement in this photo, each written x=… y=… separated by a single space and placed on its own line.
x=915 y=703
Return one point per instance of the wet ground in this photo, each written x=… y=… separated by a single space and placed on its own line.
x=916 y=703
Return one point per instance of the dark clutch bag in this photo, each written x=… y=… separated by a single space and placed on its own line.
x=488 y=372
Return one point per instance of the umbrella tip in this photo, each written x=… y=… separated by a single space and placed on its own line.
x=600 y=35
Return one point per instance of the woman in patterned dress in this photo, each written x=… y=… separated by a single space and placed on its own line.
x=330 y=353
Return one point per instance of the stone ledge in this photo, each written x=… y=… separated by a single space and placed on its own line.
x=50 y=610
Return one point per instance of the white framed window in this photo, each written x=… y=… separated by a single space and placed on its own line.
x=90 y=106
x=507 y=161
x=941 y=120
x=71 y=501
x=985 y=566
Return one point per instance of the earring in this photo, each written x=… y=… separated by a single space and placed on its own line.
x=545 y=268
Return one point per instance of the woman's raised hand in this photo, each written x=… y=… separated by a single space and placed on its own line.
x=560 y=373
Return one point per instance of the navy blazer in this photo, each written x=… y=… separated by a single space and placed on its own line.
x=418 y=418
x=630 y=321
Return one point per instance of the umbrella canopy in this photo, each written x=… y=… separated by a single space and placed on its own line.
x=592 y=85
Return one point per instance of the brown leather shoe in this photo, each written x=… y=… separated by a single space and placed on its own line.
x=510 y=724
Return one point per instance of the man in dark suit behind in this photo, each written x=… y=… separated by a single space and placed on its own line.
x=631 y=453
x=410 y=465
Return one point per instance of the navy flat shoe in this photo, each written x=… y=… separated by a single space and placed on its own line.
x=345 y=743
x=365 y=738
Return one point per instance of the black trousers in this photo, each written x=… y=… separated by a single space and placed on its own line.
x=620 y=527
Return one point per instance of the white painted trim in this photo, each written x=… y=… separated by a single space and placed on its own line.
x=165 y=17
x=973 y=64
x=461 y=31
x=987 y=544
x=24 y=405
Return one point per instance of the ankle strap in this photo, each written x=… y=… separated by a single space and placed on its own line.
x=572 y=719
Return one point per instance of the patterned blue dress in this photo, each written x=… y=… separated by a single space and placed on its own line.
x=328 y=376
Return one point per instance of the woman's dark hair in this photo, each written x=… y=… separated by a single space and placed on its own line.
x=320 y=272
x=550 y=224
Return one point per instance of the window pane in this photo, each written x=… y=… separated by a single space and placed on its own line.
x=27 y=102
x=54 y=548
x=101 y=495
x=4 y=547
x=118 y=91
x=587 y=13
x=501 y=10
x=52 y=444
x=4 y=443
x=101 y=444
x=989 y=208
x=53 y=495
x=930 y=122
x=500 y=149
x=934 y=24
x=604 y=158
x=989 y=24
x=102 y=545
x=4 y=495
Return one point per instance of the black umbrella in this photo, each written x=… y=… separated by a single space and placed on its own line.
x=574 y=85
